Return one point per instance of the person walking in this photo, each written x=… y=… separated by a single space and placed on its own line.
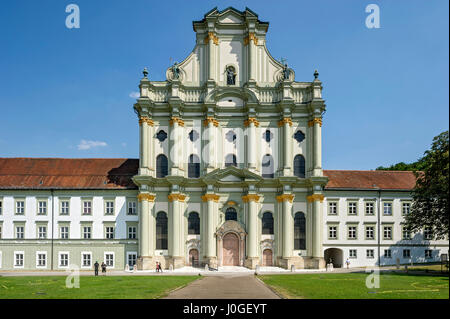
x=96 y=268
x=160 y=268
x=157 y=267
x=103 y=269
x=347 y=263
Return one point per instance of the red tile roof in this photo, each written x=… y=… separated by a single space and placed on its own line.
x=116 y=173
x=67 y=173
x=395 y=180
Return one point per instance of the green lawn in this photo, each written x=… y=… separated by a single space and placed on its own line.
x=353 y=286
x=109 y=287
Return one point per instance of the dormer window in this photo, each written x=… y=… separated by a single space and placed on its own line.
x=231 y=75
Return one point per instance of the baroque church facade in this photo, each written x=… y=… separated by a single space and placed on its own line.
x=229 y=174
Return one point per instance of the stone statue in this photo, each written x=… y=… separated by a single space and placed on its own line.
x=286 y=72
x=231 y=76
x=176 y=71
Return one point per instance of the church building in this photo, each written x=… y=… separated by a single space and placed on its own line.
x=229 y=174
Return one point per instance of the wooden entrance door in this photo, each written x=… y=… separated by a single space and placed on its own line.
x=267 y=257
x=193 y=257
x=230 y=250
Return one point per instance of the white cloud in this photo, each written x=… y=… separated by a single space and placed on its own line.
x=86 y=145
x=134 y=95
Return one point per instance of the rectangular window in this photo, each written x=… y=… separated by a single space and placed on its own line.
x=64 y=232
x=352 y=253
x=352 y=208
x=87 y=207
x=332 y=232
x=370 y=232
x=406 y=253
x=86 y=232
x=109 y=208
x=18 y=259
x=406 y=234
x=42 y=207
x=332 y=208
x=427 y=233
x=109 y=232
x=132 y=230
x=132 y=208
x=370 y=208
x=370 y=253
x=86 y=259
x=63 y=259
x=387 y=209
x=132 y=259
x=109 y=259
x=351 y=232
x=1 y=207
x=42 y=232
x=387 y=232
x=20 y=232
x=64 y=207
x=387 y=253
x=406 y=207
x=41 y=259
x=428 y=253
x=20 y=207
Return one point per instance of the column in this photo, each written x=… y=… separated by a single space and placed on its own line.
x=317 y=224
x=212 y=39
x=150 y=148
x=209 y=220
x=211 y=124
x=287 y=224
x=177 y=146
x=252 y=123
x=175 y=218
x=316 y=123
x=252 y=228
x=286 y=124
x=144 y=141
x=146 y=242
x=252 y=42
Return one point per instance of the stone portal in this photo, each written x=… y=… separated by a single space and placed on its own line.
x=230 y=250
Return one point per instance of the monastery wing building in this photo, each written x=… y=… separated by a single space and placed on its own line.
x=229 y=174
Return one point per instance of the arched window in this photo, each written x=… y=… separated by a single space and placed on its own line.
x=162 y=166
x=299 y=231
x=267 y=223
x=267 y=166
x=194 y=166
x=161 y=230
x=299 y=166
x=230 y=214
x=230 y=160
x=193 y=224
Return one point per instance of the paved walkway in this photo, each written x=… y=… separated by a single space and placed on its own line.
x=231 y=286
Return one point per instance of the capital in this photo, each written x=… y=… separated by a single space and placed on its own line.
x=146 y=197
x=315 y=197
x=315 y=120
x=210 y=197
x=251 y=37
x=176 y=120
x=211 y=120
x=250 y=198
x=211 y=36
x=286 y=120
x=176 y=197
x=145 y=119
x=251 y=120
x=285 y=197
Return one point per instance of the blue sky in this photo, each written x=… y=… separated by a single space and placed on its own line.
x=386 y=89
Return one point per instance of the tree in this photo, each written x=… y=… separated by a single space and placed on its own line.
x=430 y=195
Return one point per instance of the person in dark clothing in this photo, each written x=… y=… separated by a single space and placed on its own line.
x=103 y=269
x=96 y=268
x=157 y=267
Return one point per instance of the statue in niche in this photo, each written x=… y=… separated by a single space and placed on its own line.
x=175 y=71
x=231 y=76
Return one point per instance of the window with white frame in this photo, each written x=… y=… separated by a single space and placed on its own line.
x=109 y=259
x=352 y=208
x=351 y=232
x=387 y=208
x=109 y=207
x=406 y=233
x=352 y=253
x=332 y=232
x=406 y=253
x=20 y=232
x=428 y=253
x=387 y=232
x=63 y=259
x=87 y=232
x=18 y=259
x=87 y=207
x=42 y=207
x=132 y=257
x=132 y=208
x=64 y=206
x=64 y=232
x=41 y=259
x=109 y=232
x=370 y=208
x=42 y=232
x=406 y=208
x=370 y=253
x=387 y=253
x=332 y=208
x=20 y=207
x=427 y=233
x=370 y=232
x=86 y=259
x=132 y=231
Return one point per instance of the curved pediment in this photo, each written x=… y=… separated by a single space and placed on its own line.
x=231 y=226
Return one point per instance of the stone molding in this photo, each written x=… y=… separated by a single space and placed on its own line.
x=208 y=197
x=250 y=197
x=146 y=197
x=314 y=121
x=176 y=197
x=285 y=197
x=315 y=197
